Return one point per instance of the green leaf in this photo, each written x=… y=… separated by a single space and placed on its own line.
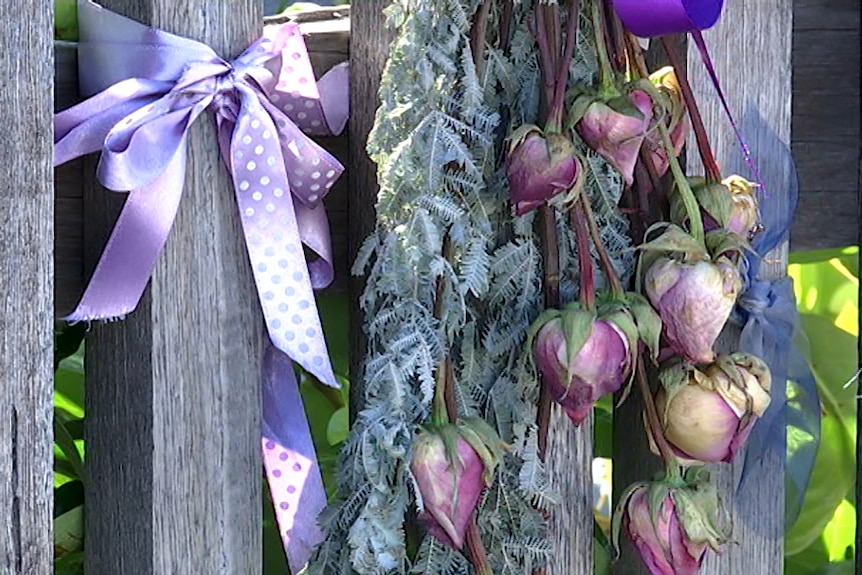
x=66 y=443
x=69 y=531
x=675 y=239
x=339 y=426
x=648 y=322
x=623 y=105
x=723 y=241
x=577 y=327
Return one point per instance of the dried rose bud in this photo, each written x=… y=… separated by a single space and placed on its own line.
x=452 y=465
x=602 y=365
x=617 y=135
x=662 y=543
x=707 y=414
x=539 y=166
x=694 y=301
x=675 y=118
x=744 y=213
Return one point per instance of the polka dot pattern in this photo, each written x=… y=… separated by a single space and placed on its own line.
x=269 y=221
x=296 y=92
x=288 y=472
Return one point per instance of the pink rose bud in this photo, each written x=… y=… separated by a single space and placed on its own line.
x=539 y=166
x=601 y=366
x=616 y=129
x=694 y=301
x=707 y=414
x=452 y=466
x=659 y=537
x=450 y=487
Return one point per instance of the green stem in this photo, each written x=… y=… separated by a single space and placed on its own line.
x=652 y=418
x=692 y=209
x=606 y=74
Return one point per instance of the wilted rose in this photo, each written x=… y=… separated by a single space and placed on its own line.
x=744 y=213
x=601 y=366
x=694 y=301
x=710 y=415
x=615 y=135
x=676 y=120
x=539 y=166
x=663 y=544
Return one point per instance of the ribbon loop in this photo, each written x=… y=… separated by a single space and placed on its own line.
x=147 y=88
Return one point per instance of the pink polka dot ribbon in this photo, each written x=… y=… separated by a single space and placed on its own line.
x=148 y=87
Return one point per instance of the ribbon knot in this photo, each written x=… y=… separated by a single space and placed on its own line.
x=148 y=87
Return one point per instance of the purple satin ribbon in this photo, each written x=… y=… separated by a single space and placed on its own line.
x=149 y=89
x=650 y=18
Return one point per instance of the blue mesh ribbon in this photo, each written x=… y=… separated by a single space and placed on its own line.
x=767 y=313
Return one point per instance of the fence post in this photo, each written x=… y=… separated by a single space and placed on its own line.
x=26 y=285
x=173 y=392
x=751 y=46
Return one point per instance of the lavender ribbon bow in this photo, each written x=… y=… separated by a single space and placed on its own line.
x=149 y=89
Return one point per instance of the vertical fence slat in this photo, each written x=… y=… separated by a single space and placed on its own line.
x=751 y=46
x=173 y=392
x=26 y=285
x=369 y=49
x=569 y=461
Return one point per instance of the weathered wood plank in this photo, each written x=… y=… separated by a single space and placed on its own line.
x=369 y=48
x=173 y=396
x=326 y=34
x=752 y=50
x=26 y=277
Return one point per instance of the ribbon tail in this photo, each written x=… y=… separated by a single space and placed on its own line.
x=290 y=461
x=137 y=240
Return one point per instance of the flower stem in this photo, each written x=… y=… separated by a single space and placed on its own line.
x=563 y=67
x=652 y=418
x=478 y=31
x=578 y=220
x=606 y=73
x=692 y=209
x=546 y=57
x=616 y=37
x=710 y=166
x=476 y=549
x=551 y=280
x=607 y=265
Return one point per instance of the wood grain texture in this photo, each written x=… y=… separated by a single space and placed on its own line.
x=826 y=121
x=569 y=462
x=326 y=33
x=369 y=48
x=26 y=278
x=173 y=392
x=752 y=51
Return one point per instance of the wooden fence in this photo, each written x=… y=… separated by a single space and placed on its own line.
x=172 y=446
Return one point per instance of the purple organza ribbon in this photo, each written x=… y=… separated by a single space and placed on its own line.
x=649 y=18
x=149 y=89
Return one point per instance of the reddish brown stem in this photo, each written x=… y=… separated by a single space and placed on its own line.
x=506 y=26
x=578 y=220
x=478 y=31
x=568 y=52
x=713 y=173
x=615 y=37
x=476 y=550
x=607 y=265
x=545 y=55
x=551 y=257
